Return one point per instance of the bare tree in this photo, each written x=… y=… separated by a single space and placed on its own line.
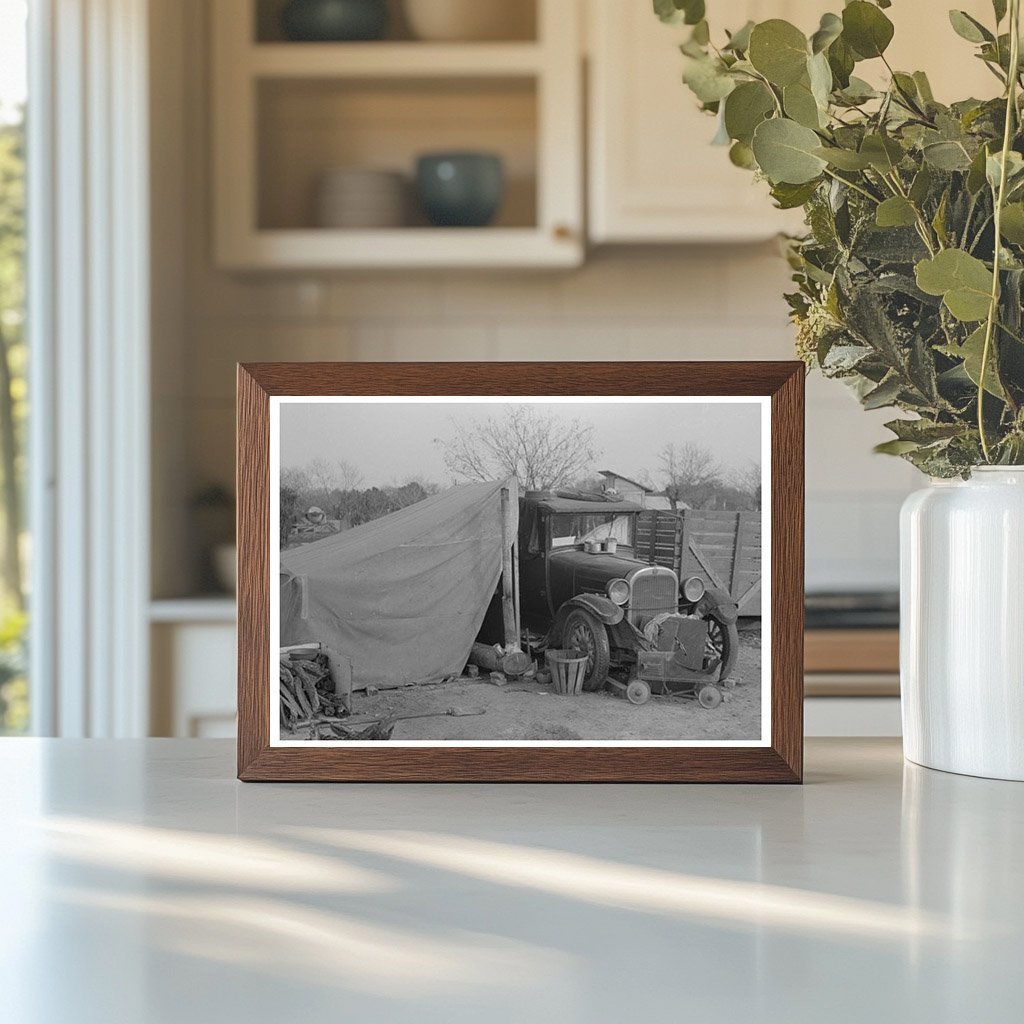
x=540 y=450
x=691 y=474
x=339 y=475
x=748 y=481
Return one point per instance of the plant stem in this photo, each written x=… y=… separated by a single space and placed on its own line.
x=993 y=309
x=856 y=188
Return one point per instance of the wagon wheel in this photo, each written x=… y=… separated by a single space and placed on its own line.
x=722 y=646
x=709 y=696
x=583 y=632
x=638 y=692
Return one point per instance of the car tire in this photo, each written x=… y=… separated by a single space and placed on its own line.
x=584 y=632
x=724 y=643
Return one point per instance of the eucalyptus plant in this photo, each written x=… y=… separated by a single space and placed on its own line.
x=909 y=280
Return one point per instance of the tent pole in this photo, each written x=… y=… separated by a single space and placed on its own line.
x=507 y=601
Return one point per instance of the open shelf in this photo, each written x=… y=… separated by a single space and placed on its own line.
x=288 y=113
x=520 y=16
x=308 y=127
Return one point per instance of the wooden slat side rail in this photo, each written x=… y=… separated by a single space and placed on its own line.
x=852 y=650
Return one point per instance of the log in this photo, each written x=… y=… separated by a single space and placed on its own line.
x=512 y=663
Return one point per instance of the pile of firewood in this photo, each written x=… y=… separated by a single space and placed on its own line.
x=310 y=709
x=307 y=690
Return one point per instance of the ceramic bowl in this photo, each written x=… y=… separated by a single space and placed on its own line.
x=357 y=197
x=334 y=20
x=460 y=189
x=469 y=20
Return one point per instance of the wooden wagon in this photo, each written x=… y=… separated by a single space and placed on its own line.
x=723 y=548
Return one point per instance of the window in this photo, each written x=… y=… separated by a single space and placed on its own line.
x=570 y=530
x=14 y=548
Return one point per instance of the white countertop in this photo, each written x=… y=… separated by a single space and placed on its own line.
x=143 y=885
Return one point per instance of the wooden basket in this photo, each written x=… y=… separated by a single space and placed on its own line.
x=567 y=670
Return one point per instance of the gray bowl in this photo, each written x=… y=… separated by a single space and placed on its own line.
x=334 y=20
x=461 y=190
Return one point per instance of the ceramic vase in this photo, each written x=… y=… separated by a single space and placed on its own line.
x=962 y=624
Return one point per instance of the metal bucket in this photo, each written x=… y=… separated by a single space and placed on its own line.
x=567 y=670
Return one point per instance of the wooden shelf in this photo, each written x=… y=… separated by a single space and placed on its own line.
x=393 y=60
x=401 y=247
x=852 y=650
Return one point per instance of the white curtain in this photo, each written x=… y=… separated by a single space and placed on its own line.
x=88 y=318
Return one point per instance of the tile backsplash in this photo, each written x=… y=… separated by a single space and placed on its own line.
x=721 y=302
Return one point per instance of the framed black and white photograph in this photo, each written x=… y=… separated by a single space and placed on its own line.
x=463 y=581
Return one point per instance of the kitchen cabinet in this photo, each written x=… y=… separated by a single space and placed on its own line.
x=653 y=175
x=287 y=113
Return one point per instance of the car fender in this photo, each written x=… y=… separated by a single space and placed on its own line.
x=603 y=609
x=718 y=604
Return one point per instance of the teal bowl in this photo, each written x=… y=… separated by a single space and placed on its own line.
x=334 y=21
x=460 y=190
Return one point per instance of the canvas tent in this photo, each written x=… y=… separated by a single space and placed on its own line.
x=403 y=597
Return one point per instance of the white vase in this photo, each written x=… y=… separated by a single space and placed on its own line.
x=962 y=624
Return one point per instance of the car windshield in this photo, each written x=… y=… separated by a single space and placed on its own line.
x=570 y=529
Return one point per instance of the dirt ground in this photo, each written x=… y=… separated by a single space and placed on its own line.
x=527 y=710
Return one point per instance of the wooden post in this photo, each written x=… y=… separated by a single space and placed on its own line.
x=508 y=606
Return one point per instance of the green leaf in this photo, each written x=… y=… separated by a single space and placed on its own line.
x=841 y=60
x=976 y=174
x=829 y=30
x=924 y=87
x=883 y=153
x=866 y=29
x=708 y=80
x=1012 y=225
x=675 y=12
x=994 y=169
x=963 y=281
x=969 y=28
x=896 y=447
x=745 y=108
x=921 y=185
x=739 y=41
x=939 y=220
x=844 y=159
x=820 y=76
x=947 y=156
x=858 y=91
x=800 y=105
x=789 y=197
x=742 y=155
x=971 y=352
x=896 y=212
x=923 y=431
x=785 y=152
x=884 y=395
x=778 y=50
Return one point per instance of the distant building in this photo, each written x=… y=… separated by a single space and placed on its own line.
x=633 y=490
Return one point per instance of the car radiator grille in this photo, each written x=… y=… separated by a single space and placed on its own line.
x=653 y=592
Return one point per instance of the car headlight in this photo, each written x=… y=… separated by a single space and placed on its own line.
x=693 y=589
x=618 y=592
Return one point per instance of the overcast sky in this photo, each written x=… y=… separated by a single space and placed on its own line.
x=396 y=442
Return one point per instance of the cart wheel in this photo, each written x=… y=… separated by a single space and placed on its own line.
x=709 y=696
x=638 y=692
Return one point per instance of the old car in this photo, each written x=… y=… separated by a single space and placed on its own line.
x=584 y=587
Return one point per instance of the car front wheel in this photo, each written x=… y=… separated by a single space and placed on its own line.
x=585 y=633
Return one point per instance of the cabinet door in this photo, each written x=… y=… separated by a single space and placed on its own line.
x=654 y=177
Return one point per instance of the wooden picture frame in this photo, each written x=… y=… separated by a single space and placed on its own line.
x=780 y=759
